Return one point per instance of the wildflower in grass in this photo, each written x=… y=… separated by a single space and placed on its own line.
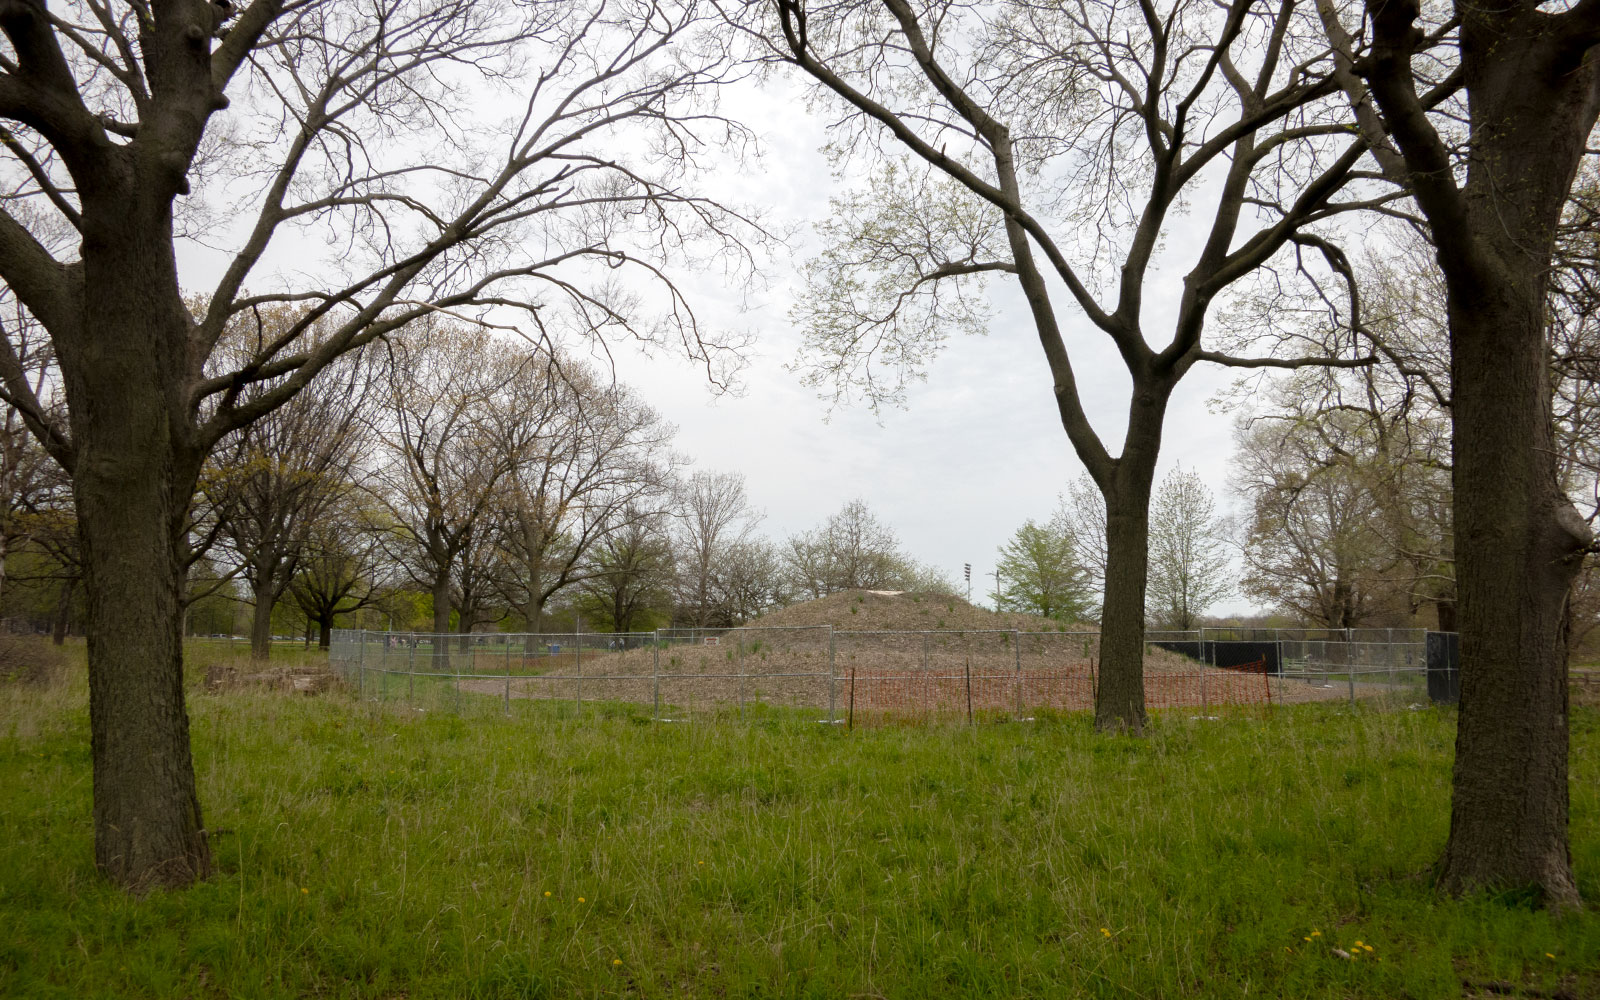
x=1305 y=939
x=547 y=894
x=581 y=899
x=1368 y=947
x=616 y=961
x=1359 y=944
x=1105 y=932
x=1316 y=933
x=1548 y=955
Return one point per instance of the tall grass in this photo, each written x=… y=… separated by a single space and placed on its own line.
x=389 y=852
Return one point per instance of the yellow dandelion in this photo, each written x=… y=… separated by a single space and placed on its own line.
x=1360 y=945
x=1316 y=933
x=547 y=894
x=1368 y=947
x=616 y=961
x=1548 y=955
x=1106 y=932
x=1305 y=939
x=580 y=899
x=305 y=892
x=699 y=862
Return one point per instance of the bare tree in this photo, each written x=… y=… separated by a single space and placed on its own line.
x=1063 y=144
x=714 y=517
x=449 y=439
x=1081 y=512
x=591 y=459
x=851 y=550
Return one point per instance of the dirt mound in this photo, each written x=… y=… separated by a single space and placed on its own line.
x=303 y=680
x=908 y=611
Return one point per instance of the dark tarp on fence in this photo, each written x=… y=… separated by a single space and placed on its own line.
x=1444 y=667
x=1230 y=654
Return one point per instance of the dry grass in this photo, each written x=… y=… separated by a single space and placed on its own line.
x=867 y=611
x=913 y=674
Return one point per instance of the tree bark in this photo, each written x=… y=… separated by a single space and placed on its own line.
x=133 y=477
x=1119 y=697
x=441 y=622
x=1518 y=551
x=261 y=590
x=1533 y=94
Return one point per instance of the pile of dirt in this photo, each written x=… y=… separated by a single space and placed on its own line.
x=296 y=680
x=906 y=611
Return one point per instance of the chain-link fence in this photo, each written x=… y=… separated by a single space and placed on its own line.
x=849 y=676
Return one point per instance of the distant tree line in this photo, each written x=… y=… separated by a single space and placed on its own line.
x=450 y=479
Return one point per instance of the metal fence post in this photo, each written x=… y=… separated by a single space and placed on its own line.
x=361 y=668
x=832 y=676
x=1016 y=647
x=1349 y=667
x=577 y=646
x=738 y=665
x=411 y=669
x=508 y=675
x=655 y=677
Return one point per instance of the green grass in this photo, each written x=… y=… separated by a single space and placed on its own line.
x=387 y=852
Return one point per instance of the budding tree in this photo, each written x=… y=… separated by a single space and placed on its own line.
x=1188 y=570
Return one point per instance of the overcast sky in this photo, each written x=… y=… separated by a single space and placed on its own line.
x=979 y=447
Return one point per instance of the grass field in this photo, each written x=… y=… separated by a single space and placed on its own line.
x=390 y=853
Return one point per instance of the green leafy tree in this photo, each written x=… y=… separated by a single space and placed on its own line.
x=1188 y=569
x=1040 y=573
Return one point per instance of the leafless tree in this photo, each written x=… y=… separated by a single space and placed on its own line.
x=714 y=517
x=1065 y=144
x=591 y=459
x=851 y=550
x=449 y=438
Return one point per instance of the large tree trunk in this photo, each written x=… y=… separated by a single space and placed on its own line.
x=1119 y=696
x=1516 y=558
x=132 y=483
x=1519 y=542
x=324 y=631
